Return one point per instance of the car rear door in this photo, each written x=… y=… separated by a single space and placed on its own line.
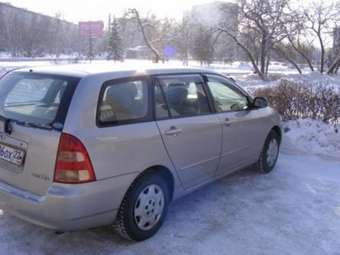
x=242 y=132
x=191 y=134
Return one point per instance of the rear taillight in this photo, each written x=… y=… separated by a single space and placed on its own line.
x=73 y=163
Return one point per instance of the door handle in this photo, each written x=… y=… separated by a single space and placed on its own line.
x=227 y=122
x=173 y=131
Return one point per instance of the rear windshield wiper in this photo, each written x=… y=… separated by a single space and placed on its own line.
x=8 y=127
x=33 y=124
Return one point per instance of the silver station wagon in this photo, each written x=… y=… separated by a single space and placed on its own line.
x=84 y=146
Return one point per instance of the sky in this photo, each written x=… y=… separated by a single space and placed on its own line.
x=84 y=10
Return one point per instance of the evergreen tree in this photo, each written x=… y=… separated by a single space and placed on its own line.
x=115 y=41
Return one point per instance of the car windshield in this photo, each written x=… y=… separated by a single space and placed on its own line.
x=32 y=98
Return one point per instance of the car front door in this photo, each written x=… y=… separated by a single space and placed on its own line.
x=242 y=138
x=190 y=132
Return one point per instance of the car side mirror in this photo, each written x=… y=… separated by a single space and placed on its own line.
x=260 y=102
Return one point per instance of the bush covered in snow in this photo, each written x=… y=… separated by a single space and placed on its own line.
x=295 y=100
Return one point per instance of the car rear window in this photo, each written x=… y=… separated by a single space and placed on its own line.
x=35 y=98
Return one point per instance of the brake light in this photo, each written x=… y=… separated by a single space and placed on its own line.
x=73 y=163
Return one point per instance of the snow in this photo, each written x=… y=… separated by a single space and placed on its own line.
x=251 y=85
x=311 y=136
x=235 y=69
x=314 y=79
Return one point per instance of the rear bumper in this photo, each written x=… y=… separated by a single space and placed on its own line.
x=68 y=207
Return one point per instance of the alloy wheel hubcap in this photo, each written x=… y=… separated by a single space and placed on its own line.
x=272 y=152
x=149 y=207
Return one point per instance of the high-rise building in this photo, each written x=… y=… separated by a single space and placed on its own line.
x=23 y=31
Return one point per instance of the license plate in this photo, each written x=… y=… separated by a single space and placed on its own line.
x=11 y=155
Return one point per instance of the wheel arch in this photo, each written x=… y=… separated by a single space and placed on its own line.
x=278 y=131
x=165 y=172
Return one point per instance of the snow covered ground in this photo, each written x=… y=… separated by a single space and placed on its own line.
x=314 y=80
x=311 y=136
x=234 y=69
x=293 y=210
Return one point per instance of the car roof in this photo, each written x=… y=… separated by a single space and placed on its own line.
x=83 y=70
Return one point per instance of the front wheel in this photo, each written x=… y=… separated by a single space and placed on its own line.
x=269 y=154
x=144 y=208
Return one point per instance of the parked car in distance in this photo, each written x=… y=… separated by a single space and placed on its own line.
x=84 y=146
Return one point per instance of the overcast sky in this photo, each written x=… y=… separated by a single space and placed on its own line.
x=83 y=10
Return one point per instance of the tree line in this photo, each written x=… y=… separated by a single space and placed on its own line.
x=300 y=35
x=267 y=30
x=260 y=32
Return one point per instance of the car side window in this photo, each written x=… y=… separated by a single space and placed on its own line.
x=184 y=95
x=225 y=97
x=124 y=101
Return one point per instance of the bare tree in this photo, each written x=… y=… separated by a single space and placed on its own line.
x=298 y=39
x=334 y=66
x=303 y=50
x=165 y=37
x=14 y=31
x=3 y=35
x=203 y=45
x=142 y=24
x=183 y=39
x=320 y=19
x=266 y=19
x=285 y=52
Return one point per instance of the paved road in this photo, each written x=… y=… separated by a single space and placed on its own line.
x=294 y=210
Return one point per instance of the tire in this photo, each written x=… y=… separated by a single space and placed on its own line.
x=142 y=199
x=267 y=160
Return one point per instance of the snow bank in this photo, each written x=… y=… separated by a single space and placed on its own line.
x=312 y=137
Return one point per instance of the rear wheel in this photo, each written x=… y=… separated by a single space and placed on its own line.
x=144 y=208
x=269 y=154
